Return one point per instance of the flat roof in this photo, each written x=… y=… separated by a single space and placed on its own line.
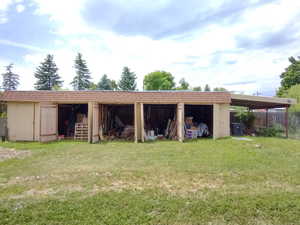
x=118 y=97
x=260 y=102
x=153 y=97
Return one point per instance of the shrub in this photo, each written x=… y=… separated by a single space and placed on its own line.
x=273 y=131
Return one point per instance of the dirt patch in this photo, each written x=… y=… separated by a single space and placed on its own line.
x=6 y=153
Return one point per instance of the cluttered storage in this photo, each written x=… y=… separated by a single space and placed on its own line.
x=72 y=121
x=198 y=121
x=116 y=122
x=160 y=122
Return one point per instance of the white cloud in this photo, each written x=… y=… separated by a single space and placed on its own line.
x=3 y=10
x=21 y=45
x=202 y=58
x=20 y=8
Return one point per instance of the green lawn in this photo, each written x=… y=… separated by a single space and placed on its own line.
x=199 y=182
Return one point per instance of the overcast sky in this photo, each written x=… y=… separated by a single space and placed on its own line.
x=240 y=45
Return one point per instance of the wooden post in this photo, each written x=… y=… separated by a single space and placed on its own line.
x=267 y=117
x=90 y=122
x=287 y=122
x=135 y=123
x=180 y=122
x=142 y=122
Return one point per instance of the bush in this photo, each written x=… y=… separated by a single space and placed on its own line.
x=273 y=131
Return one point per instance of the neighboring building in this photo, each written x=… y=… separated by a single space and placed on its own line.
x=46 y=115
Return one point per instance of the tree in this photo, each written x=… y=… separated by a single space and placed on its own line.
x=128 y=80
x=184 y=85
x=294 y=92
x=290 y=77
x=206 y=88
x=114 y=85
x=159 y=80
x=220 y=89
x=197 y=88
x=46 y=74
x=104 y=83
x=81 y=81
x=10 y=79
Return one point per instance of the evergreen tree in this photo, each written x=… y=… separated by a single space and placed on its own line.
x=104 y=83
x=206 y=88
x=10 y=79
x=47 y=76
x=82 y=79
x=128 y=80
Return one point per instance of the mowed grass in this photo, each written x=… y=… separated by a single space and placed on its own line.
x=225 y=181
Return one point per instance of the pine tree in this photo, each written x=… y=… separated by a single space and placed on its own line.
x=47 y=76
x=10 y=79
x=82 y=79
x=206 y=88
x=128 y=80
x=104 y=83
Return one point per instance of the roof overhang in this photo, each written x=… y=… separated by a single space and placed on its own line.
x=259 y=102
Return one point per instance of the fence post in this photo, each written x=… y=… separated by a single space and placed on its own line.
x=287 y=122
x=267 y=117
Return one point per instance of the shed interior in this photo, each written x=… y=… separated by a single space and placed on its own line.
x=69 y=116
x=198 y=120
x=117 y=121
x=160 y=121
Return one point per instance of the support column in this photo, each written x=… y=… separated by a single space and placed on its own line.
x=137 y=122
x=180 y=122
x=221 y=121
x=287 y=122
x=90 y=122
x=95 y=129
x=142 y=122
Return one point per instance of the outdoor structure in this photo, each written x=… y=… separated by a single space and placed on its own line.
x=49 y=115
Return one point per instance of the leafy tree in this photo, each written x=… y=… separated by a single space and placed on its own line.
x=290 y=77
x=93 y=86
x=294 y=92
x=10 y=79
x=220 y=89
x=59 y=88
x=184 y=85
x=159 y=80
x=197 y=88
x=128 y=80
x=46 y=74
x=104 y=83
x=82 y=79
x=206 y=88
x=114 y=85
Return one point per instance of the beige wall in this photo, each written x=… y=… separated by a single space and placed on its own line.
x=20 y=122
x=37 y=122
x=48 y=122
x=138 y=120
x=95 y=137
x=180 y=122
x=221 y=121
